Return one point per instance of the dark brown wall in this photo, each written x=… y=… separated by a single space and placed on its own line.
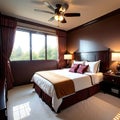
x=98 y=36
x=24 y=70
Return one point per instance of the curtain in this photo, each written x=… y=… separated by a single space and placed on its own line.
x=8 y=27
x=0 y=56
x=61 y=47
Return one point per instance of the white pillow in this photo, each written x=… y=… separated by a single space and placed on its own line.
x=93 y=66
x=78 y=62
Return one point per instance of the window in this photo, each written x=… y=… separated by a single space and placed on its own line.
x=38 y=47
x=29 y=45
x=52 y=47
x=21 y=46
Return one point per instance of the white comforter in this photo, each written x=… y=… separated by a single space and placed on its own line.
x=81 y=81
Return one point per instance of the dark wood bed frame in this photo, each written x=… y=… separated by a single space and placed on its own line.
x=104 y=56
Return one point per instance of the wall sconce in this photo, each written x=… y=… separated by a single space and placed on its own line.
x=116 y=57
x=68 y=57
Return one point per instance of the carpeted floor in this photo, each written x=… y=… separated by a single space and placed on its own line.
x=24 y=104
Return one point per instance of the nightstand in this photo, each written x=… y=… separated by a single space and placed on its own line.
x=111 y=84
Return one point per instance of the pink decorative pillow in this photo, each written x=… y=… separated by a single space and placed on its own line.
x=74 y=68
x=82 y=69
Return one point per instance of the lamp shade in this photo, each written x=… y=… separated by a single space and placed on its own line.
x=67 y=56
x=116 y=57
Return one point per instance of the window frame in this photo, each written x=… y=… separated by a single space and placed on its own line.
x=30 y=44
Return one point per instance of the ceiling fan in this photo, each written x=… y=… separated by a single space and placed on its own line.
x=58 y=11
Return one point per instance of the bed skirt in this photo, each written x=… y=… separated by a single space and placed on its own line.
x=70 y=100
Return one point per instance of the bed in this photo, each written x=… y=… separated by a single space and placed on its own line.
x=85 y=85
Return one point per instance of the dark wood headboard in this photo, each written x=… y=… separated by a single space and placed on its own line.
x=104 y=56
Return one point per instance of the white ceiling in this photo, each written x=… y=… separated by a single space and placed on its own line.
x=89 y=10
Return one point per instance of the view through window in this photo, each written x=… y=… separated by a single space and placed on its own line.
x=34 y=46
x=38 y=47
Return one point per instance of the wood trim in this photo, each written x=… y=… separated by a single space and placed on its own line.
x=113 y=13
x=33 y=23
x=30 y=22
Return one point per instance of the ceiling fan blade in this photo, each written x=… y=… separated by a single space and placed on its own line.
x=44 y=3
x=51 y=19
x=38 y=2
x=72 y=14
x=64 y=21
x=49 y=5
x=38 y=10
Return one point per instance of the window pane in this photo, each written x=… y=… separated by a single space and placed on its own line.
x=52 y=47
x=21 y=46
x=38 y=47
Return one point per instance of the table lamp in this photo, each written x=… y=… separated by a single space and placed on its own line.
x=68 y=57
x=116 y=57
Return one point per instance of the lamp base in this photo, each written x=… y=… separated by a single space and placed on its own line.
x=117 y=73
x=68 y=66
x=118 y=69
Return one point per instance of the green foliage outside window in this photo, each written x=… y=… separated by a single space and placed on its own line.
x=20 y=52
x=39 y=56
x=51 y=53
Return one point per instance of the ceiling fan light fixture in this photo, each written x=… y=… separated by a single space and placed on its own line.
x=62 y=9
x=58 y=17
